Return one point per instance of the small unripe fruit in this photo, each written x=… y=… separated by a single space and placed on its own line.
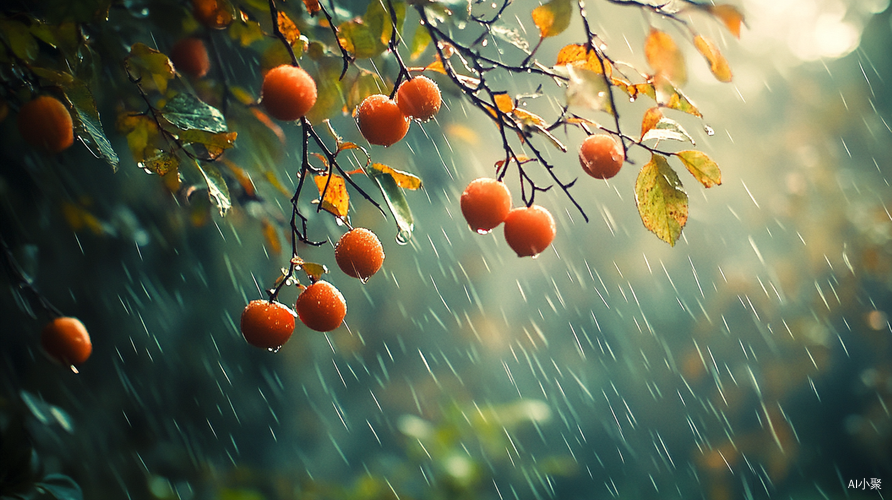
x=45 y=123
x=359 y=253
x=529 y=230
x=601 y=156
x=66 y=341
x=419 y=98
x=321 y=306
x=485 y=203
x=380 y=120
x=190 y=57
x=266 y=324
x=288 y=92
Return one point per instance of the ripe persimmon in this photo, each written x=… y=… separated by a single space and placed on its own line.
x=66 y=340
x=321 y=306
x=190 y=57
x=485 y=203
x=288 y=92
x=45 y=123
x=359 y=253
x=266 y=324
x=529 y=230
x=419 y=98
x=601 y=156
x=380 y=120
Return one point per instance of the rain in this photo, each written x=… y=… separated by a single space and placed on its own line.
x=749 y=360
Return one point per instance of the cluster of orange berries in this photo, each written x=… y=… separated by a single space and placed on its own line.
x=320 y=306
x=486 y=202
x=385 y=121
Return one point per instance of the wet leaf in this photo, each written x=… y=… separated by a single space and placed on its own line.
x=160 y=163
x=503 y=101
x=420 y=42
x=717 y=62
x=333 y=190
x=701 y=167
x=511 y=35
x=552 y=18
x=580 y=55
x=729 y=15
x=312 y=6
x=218 y=191
x=248 y=32
x=664 y=57
x=676 y=100
x=397 y=204
x=329 y=90
x=365 y=84
x=404 y=180
x=19 y=39
x=288 y=28
x=378 y=18
x=667 y=129
x=185 y=112
x=215 y=143
x=271 y=235
x=587 y=89
x=650 y=119
x=145 y=61
x=359 y=40
x=313 y=270
x=661 y=199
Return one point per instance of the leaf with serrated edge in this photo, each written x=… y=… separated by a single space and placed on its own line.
x=701 y=167
x=661 y=199
x=552 y=18
x=717 y=62
x=404 y=180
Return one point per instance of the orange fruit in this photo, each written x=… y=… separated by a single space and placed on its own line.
x=529 y=230
x=359 y=253
x=485 y=203
x=66 y=340
x=380 y=120
x=190 y=57
x=288 y=92
x=419 y=98
x=601 y=156
x=266 y=324
x=45 y=123
x=214 y=14
x=321 y=306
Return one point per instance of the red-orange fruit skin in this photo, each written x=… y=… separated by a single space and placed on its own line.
x=321 y=306
x=485 y=203
x=601 y=156
x=190 y=57
x=266 y=324
x=44 y=123
x=288 y=92
x=66 y=340
x=359 y=253
x=381 y=121
x=529 y=230
x=419 y=98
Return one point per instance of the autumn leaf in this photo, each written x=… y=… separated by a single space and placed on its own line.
x=218 y=191
x=288 y=28
x=717 y=62
x=333 y=190
x=404 y=180
x=664 y=57
x=145 y=61
x=729 y=15
x=661 y=199
x=667 y=129
x=552 y=18
x=701 y=167
x=650 y=119
x=503 y=101
x=312 y=6
x=270 y=234
x=579 y=54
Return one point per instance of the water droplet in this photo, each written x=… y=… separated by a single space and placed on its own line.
x=484 y=231
x=73 y=369
x=274 y=349
x=367 y=278
x=403 y=236
x=709 y=131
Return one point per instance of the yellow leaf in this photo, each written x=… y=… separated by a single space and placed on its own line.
x=145 y=61
x=404 y=180
x=553 y=17
x=717 y=62
x=288 y=28
x=333 y=191
x=580 y=55
x=270 y=234
x=650 y=119
x=729 y=15
x=661 y=199
x=664 y=57
x=504 y=102
x=701 y=167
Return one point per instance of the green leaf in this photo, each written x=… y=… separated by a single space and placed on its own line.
x=187 y=112
x=60 y=487
x=396 y=202
x=218 y=191
x=553 y=18
x=161 y=163
x=661 y=199
x=420 y=42
x=329 y=90
x=377 y=18
x=365 y=84
x=358 y=39
x=587 y=89
x=145 y=61
x=701 y=167
x=19 y=39
x=404 y=180
x=667 y=128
